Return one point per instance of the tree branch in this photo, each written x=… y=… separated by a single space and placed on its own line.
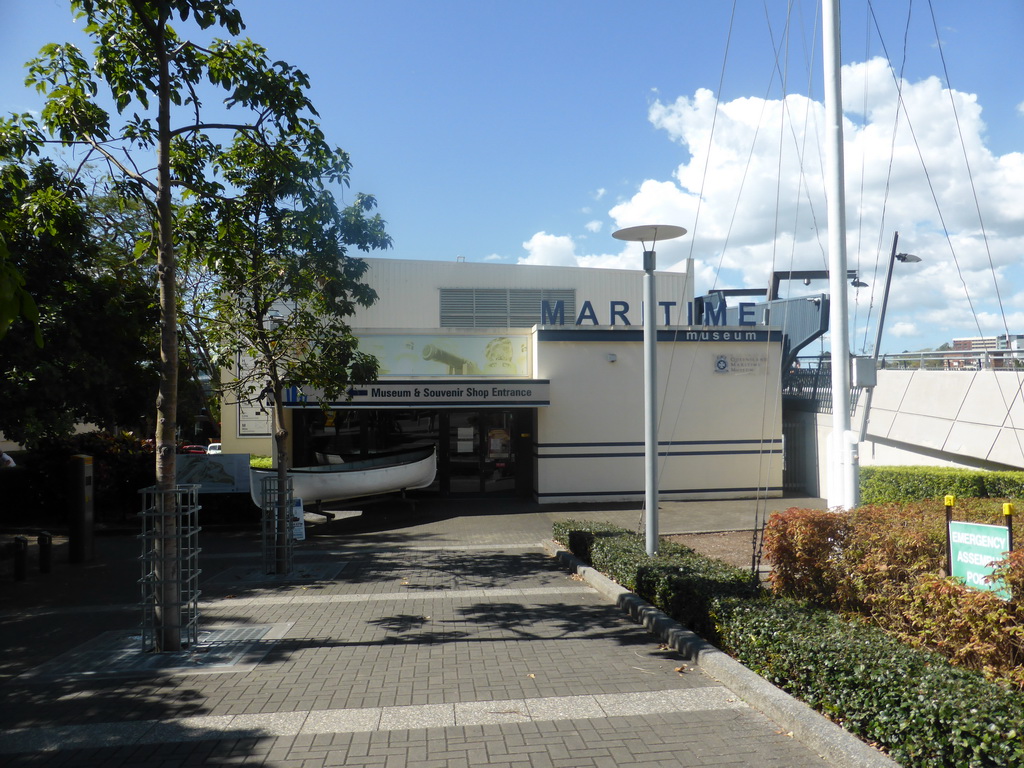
x=129 y=172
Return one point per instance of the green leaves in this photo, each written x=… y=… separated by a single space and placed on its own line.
x=884 y=485
x=15 y=301
x=92 y=309
x=252 y=211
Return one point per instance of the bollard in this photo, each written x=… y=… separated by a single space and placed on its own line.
x=20 y=558
x=950 y=502
x=45 y=542
x=81 y=547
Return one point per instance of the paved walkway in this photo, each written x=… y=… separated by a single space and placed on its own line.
x=441 y=637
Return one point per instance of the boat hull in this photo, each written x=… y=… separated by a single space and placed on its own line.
x=355 y=479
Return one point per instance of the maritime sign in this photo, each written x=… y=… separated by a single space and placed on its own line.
x=618 y=313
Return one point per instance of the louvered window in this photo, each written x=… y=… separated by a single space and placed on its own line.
x=502 y=307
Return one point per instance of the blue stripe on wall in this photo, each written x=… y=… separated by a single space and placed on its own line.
x=661 y=492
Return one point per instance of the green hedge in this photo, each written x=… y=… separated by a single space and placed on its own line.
x=915 y=704
x=884 y=562
x=919 y=707
x=888 y=485
x=122 y=464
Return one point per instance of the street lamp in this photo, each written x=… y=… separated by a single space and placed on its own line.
x=905 y=258
x=644 y=234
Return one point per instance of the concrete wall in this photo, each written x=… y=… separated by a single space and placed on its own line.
x=948 y=418
x=969 y=419
x=719 y=432
x=409 y=290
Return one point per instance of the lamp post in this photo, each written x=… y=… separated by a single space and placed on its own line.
x=906 y=258
x=644 y=234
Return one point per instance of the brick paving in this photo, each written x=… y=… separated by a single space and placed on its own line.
x=439 y=639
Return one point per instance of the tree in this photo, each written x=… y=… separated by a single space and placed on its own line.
x=96 y=363
x=15 y=301
x=158 y=81
x=285 y=281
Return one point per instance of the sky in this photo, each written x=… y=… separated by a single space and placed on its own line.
x=529 y=131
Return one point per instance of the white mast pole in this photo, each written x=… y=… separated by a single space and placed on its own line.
x=643 y=234
x=650 y=402
x=843 y=470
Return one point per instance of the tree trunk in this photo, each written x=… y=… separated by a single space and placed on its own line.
x=284 y=509
x=168 y=608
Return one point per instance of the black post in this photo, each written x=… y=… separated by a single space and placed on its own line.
x=20 y=558
x=81 y=546
x=45 y=542
x=950 y=501
x=1008 y=515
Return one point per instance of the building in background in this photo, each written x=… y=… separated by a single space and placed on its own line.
x=529 y=380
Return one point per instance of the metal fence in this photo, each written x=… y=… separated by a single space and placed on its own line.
x=278 y=535
x=956 y=360
x=170 y=565
x=810 y=379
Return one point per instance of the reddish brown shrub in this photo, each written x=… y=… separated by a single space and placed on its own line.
x=887 y=563
x=804 y=547
x=888 y=546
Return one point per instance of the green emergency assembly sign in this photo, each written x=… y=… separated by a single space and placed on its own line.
x=974 y=548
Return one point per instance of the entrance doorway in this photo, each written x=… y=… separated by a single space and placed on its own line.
x=480 y=455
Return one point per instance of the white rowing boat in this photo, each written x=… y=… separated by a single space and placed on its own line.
x=385 y=473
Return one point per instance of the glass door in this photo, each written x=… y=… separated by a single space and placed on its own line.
x=480 y=454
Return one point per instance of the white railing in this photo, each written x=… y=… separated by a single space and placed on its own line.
x=954 y=360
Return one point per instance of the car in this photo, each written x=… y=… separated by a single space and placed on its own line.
x=193 y=449
x=213 y=448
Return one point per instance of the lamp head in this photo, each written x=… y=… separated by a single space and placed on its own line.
x=907 y=258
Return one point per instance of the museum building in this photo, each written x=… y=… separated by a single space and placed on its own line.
x=529 y=380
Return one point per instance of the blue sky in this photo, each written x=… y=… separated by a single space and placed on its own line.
x=528 y=131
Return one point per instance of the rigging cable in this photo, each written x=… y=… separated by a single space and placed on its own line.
x=981 y=222
x=693 y=238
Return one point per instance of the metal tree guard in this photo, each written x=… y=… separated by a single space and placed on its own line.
x=170 y=565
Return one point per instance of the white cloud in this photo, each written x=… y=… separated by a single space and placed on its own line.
x=762 y=200
x=552 y=250
x=761 y=204
x=600 y=193
x=744 y=193
x=904 y=330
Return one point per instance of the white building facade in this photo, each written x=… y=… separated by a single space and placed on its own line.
x=530 y=382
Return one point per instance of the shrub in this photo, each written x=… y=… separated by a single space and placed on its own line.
x=122 y=465
x=918 y=706
x=887 y=485
x=803 y=546
x=974 y=629
x=678 y=580
x=610 y=549
x=684 y=585
x=922 y=709
x=16 y=491
x=261 y=462
x=888 y=565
